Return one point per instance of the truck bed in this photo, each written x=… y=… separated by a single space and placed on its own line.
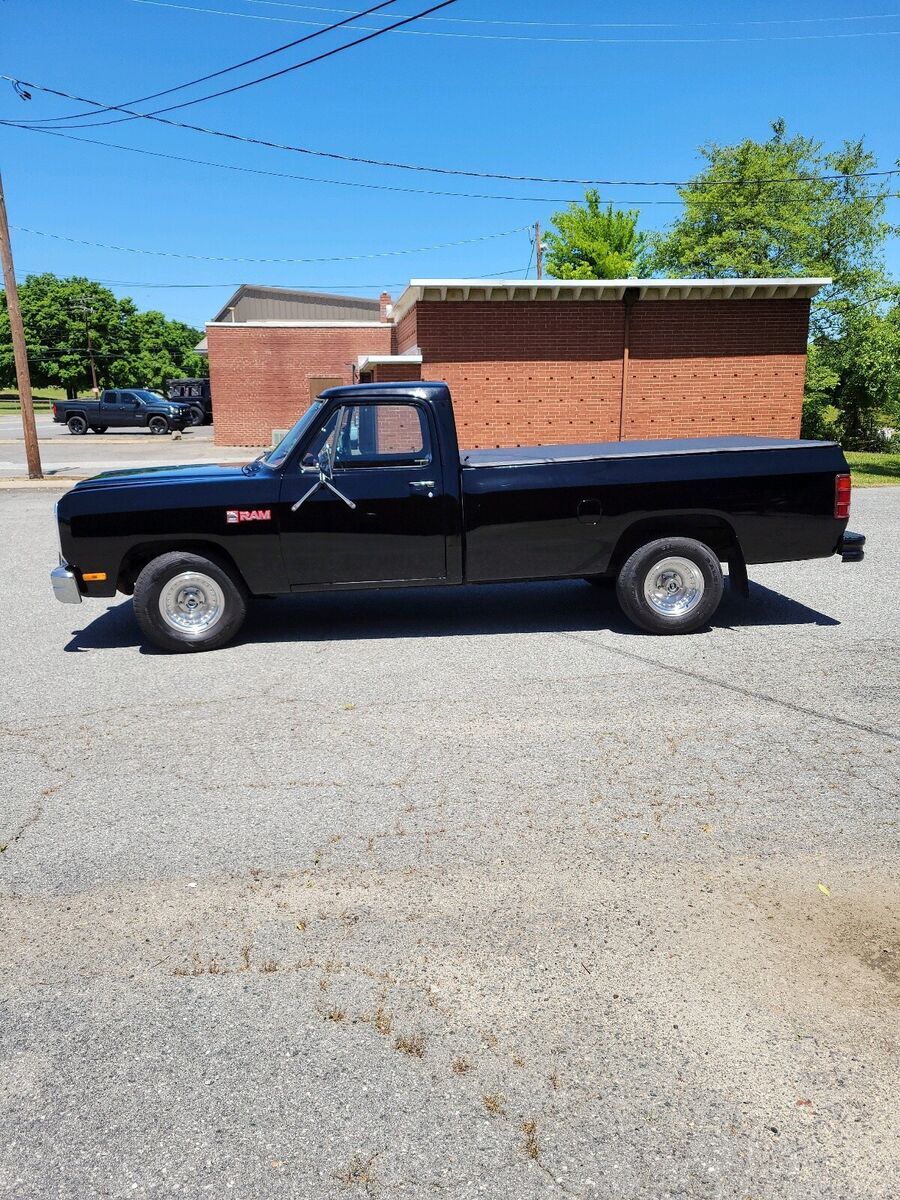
x=529 y=456
x=545 y=511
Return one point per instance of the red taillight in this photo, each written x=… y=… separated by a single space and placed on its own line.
x=842 y=497
x=54 y=410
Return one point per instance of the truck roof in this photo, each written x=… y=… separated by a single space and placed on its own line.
x=531 y=455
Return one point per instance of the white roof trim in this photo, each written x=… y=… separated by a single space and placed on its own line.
x=401 y=360
x=604 y=289
x=298 y=325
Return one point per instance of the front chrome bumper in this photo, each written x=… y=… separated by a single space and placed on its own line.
x=65 y=585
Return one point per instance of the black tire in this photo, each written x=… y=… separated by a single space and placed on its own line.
x=196 y=414
x=77 y=424
x=99 y=428
x=229 y=594
x=158 y=425
x=688 y=579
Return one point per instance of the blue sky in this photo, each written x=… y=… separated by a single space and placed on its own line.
x=606 y=92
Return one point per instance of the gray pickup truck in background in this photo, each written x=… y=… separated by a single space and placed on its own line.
x=122 y=408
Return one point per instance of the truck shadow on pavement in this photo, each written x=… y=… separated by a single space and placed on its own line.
x=557 y=606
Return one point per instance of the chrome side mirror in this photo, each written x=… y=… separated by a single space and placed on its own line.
x=324 y=461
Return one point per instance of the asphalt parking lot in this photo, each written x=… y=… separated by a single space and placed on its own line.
x=454 y=894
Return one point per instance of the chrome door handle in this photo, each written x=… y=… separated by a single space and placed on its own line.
x=422 y=483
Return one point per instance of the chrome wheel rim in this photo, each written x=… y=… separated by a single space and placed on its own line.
x=191 y=603
x=674 y=586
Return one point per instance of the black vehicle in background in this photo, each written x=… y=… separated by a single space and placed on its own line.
x=370 y=490
x=196 y=393
x=123 y=408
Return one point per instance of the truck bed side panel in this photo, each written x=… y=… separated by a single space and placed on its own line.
x=553 y=519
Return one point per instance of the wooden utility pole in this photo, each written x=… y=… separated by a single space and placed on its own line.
x=23 y=378
x=88 y=313
x=538 y=250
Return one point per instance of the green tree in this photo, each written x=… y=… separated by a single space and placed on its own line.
x=156 y=349
x=56 y=314
x=130 y=348
x=593 y=242
x=853 y=380
x=742 y=219
x=785 y=207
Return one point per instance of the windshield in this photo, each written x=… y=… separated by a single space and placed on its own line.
x=150 y=397
x=278 y=456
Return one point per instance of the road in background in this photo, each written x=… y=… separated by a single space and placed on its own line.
x=463 y=893
x=63 y=453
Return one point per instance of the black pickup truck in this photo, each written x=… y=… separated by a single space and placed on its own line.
x=120 y=408
x=369 y=490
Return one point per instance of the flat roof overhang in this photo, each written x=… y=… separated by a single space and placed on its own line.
x=518 y=290
x=276 y=324
x=364 y=361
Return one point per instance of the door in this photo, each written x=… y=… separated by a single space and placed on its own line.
x=365 y=503
x=110 y=410
x=133 y=409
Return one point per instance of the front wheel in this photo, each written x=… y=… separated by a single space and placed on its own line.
x=77 y=424
x=158 y=425
x=672 y=585
x=196 y=415
x=187 y=602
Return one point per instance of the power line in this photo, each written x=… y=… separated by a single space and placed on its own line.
x=503 y=37
x=432 y=170
x=377 y=187
x=239 y=87
x=291 y=287
x=603 y=24
x=350 y=183
x=59 y=237
x=236 y=66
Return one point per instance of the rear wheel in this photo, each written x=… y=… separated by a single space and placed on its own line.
x=672 y=585
x=77 y=424
x=158 y=425
x=196 y=414
x=187 y=602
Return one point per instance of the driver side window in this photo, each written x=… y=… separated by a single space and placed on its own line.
x=383 y=435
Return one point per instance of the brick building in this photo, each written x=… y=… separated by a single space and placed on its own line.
x=528 y=362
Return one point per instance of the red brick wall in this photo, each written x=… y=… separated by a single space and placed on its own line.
x=259 y=375
x=523 y=373
x=705 y=367
x=526 y=373
x=394 y=372
x=406 y=332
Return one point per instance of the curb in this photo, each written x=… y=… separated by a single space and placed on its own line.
x=24 y=485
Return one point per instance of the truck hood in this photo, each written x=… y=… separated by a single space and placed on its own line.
x=188 y=473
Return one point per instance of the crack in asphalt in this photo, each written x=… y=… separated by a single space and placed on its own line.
x=749 y=693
